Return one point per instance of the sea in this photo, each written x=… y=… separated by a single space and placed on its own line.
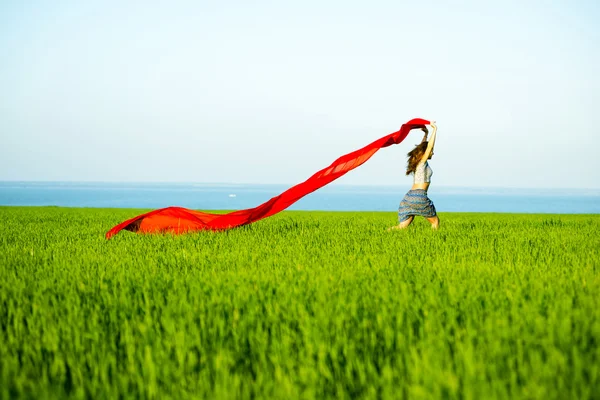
x=333 y=197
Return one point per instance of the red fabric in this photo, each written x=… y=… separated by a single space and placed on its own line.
x=179 y=220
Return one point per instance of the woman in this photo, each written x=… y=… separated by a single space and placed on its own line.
x=416 y=202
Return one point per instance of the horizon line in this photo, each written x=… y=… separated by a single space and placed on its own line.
x=290 y=185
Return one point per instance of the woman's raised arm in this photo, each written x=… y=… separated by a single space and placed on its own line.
x=430 y=144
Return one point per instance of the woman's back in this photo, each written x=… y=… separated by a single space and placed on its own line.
x=423 y=173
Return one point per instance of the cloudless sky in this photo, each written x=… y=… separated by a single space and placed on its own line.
x=272 y=91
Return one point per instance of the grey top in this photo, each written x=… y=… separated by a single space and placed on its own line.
x=423 y=173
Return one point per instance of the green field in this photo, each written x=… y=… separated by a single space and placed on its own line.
x=300 y=305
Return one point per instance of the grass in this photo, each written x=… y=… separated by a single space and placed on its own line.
x=300 y=305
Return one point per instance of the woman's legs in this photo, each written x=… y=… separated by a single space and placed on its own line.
x=404 y=223
x=435 y=222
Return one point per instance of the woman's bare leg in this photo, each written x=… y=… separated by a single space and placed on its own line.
x=435 y=222
x=404 y=223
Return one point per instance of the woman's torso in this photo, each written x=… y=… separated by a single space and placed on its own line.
x=422 y=176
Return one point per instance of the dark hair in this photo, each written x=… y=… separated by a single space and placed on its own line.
x=415 y=155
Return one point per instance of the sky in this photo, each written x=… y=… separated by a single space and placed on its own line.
x=273 y=91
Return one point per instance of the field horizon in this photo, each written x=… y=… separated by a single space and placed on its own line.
x=304 y=304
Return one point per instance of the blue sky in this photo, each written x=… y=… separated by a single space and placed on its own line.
x=271 y=92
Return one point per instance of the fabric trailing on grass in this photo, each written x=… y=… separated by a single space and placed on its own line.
x=178 y=220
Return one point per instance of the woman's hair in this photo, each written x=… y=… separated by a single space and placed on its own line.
x=415 y=155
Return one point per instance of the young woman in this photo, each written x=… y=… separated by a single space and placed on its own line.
x=416 y=202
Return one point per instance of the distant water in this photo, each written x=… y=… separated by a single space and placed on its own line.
x=330 y=198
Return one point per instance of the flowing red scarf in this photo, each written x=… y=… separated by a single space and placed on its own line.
x=179 y=220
